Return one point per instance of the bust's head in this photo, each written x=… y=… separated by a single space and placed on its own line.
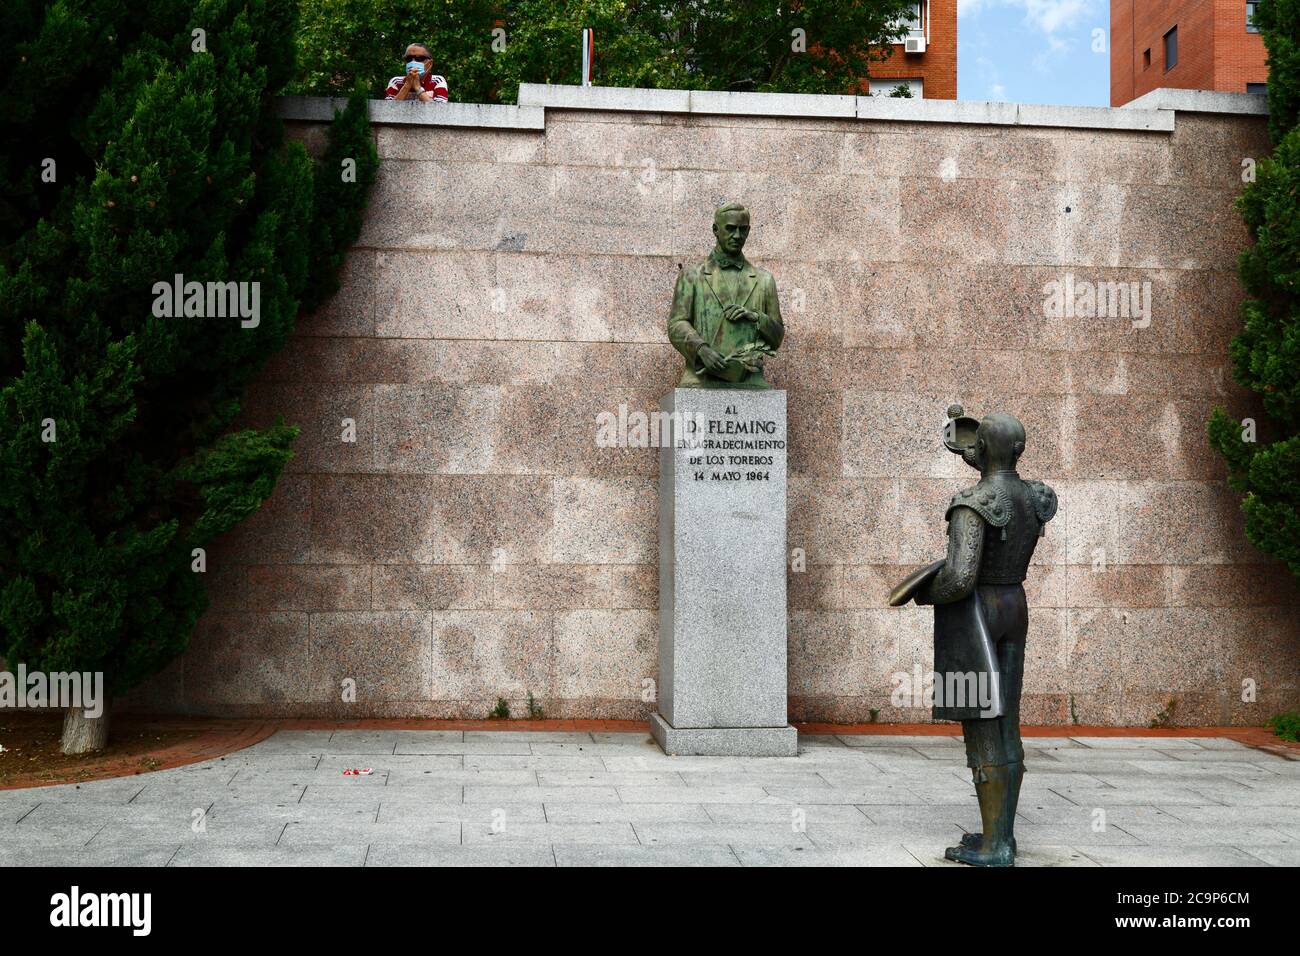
x=731 y=227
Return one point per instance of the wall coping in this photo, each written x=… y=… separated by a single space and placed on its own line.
x=1154 y=112
x=416 y=113
x=1201 y=101
x=841 y=107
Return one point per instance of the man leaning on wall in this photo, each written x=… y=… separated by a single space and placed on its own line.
x=420 y=82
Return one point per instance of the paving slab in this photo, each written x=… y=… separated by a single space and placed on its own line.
x=474 y=813
x=1251 y=795
x=181 y=832
x=736 y=794
x=591 y=855
x=502 y=795
x=1276 y=855
x=1090 y=816
x=508 y=745
x=884 y=793
x=1138 y=743
x=1171 y=856
x=1178 y=834
x=731 y=834
x=341 y=793
x=337 y=763
x=753 y=778
x=625 y=740
x=534 y=762
x=628 y=813
x=548 y=834
x=198 y=854
x=1218 y=743
x=147 y=855
x=13 y=811
x=463 y=778
x=877 y=834
x=530 y=736
x=1281 y=816
x=1133 y=796
x=785 y=813
x=363 y=833
x=825 y=856
x=896 y=741
x=514 y=854
x=603 y=778
x=76 y=834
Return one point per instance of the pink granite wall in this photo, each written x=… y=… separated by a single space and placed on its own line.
x=473 y=542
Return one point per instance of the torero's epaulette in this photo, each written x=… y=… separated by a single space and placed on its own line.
x=1044 y=503
x=987 y=500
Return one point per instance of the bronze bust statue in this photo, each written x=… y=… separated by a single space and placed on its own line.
x=725 y=317
x=981 y=619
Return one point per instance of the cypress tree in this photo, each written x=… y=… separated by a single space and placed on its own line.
x=1263 y=458
x=141 y=149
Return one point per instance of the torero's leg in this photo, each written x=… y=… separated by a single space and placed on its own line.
x=992 y=846
x=1011 y=653
x=996 y=758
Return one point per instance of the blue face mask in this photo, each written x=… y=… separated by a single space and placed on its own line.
x=415 y=65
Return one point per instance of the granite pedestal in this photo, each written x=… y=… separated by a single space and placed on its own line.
x=722 y=565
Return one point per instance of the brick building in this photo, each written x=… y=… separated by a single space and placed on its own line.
x=1189 y=44
x=931 y=70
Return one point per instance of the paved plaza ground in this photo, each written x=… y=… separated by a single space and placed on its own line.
x=567 y=798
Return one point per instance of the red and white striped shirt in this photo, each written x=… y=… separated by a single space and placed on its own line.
x=431 y=83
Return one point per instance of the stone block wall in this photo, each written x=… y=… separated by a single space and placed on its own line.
x=511 y=284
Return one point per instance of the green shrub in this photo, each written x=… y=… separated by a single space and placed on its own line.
x=1286 y=726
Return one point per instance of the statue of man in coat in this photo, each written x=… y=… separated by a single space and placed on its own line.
x=725 y=317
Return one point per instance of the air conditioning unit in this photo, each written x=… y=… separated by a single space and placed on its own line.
x=914 y=44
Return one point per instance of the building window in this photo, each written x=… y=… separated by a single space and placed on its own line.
x=909 y=24
x=1171 y=49
x=915 y=87
x=1146 y=59
x=1252 y=7
x=1259 y=89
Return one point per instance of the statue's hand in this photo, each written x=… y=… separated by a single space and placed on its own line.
x=738 y=313
x=710 y=358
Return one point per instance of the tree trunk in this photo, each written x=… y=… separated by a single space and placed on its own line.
x=82 y=734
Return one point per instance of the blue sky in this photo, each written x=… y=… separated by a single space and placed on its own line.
x=1034 y=51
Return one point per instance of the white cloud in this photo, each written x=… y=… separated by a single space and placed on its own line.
x=1049 y=16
